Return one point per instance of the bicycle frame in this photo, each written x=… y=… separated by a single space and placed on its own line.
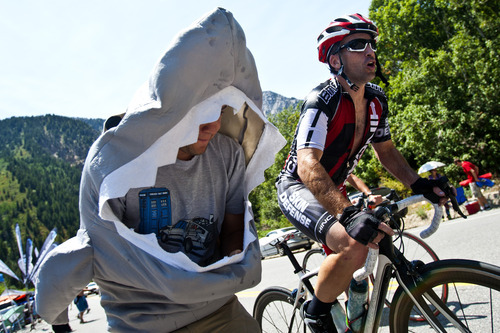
x=390 y=262
x=380 y=286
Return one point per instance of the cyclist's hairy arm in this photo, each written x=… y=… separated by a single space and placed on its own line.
x=394 y=162
x=317 y=180
x=361 y=226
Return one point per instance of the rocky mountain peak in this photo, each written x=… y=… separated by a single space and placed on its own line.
x=273 y=103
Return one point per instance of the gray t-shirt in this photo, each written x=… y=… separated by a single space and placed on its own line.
x=186 y=206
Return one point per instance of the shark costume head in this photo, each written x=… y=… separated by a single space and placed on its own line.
x=205 y=67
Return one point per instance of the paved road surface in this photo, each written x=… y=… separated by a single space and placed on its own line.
x=474 y=238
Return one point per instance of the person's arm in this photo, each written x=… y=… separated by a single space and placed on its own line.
x=360 y=185
x=475 y=173
x=396 y=164
x=317 y=180
x=231 y=234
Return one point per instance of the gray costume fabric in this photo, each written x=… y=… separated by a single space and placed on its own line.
x=143 y=287
x=200 y=192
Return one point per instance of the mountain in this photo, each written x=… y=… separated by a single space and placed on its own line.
x=41 y=159
x=273 y=103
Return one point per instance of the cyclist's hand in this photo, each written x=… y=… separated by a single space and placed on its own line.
x=430 y=189
x=374 y=200
x=357 y=202
x=363 y=226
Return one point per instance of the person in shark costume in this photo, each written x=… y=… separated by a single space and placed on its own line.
x=144 y=287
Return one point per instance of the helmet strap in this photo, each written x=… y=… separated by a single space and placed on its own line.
x=341 y=73
x=353 y=86
x=379 y=72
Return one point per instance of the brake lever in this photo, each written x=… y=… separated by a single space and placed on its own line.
x=382 y=212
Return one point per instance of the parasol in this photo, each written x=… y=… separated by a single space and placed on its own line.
x=430 y=166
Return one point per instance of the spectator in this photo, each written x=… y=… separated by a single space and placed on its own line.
x=82 y=305
x=472 y=172
x=173 y=136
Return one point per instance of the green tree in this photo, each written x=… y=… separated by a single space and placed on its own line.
x=263 y=198
x=443 y=62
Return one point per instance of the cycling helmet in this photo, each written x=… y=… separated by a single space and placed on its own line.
x=336 y=32
x=340 y=28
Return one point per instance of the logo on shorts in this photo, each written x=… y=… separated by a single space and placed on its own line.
x=295 y=206
x=324 y=222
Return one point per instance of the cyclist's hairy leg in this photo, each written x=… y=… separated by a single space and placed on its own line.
x=336 y=271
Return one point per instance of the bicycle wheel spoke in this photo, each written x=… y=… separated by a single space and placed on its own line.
x=275 y=312
x=473 y=303
x=444 y=310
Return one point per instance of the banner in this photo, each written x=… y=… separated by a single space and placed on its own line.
x=5 y=269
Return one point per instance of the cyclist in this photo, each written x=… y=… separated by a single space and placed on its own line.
x=339 y=118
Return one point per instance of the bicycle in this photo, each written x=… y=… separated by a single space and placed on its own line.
x=414 y=247
x=473 y=301
x=420 y=249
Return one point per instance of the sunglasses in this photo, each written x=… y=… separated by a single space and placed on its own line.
x=359 y=45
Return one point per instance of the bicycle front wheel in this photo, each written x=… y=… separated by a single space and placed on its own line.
x=415 y=248
x=473 y=301
x=274 y=311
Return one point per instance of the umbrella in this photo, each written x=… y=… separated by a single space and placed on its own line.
x=430 y=166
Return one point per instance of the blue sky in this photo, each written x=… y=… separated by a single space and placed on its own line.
x=87 y=58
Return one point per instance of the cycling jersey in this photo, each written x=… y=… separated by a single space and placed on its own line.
x=328 y=122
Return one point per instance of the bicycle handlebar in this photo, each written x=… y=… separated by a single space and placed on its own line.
x=436 y=219
x=386 y=211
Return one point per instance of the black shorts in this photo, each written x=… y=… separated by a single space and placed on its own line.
x=302 y=209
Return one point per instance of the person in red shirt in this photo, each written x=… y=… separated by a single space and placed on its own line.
x=472 y=172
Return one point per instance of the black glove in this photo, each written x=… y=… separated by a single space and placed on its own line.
x=426 y=187
x=360 y=225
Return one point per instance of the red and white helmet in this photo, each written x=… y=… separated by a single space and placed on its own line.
x=342 y=27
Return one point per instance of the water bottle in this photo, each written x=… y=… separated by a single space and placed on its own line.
x=358 y=296
x=338 y=316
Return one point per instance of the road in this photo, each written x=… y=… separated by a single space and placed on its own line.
x=474 y=238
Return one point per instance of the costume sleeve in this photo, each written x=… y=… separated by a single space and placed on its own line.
x=65 y=272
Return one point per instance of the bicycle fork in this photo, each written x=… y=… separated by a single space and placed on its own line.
x=409 y=280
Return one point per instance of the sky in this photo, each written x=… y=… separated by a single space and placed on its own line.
x=87 y=58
